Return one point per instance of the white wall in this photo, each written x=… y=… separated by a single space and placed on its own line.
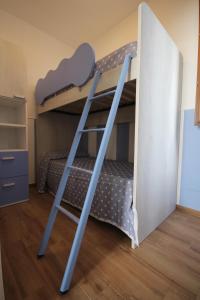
x=42 y=52
x=123 y=33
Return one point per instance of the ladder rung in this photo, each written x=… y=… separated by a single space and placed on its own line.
x=80 y=169
x=68 y=214
x=92 y=129
x=103 y=95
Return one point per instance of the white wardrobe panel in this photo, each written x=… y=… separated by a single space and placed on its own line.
x=54 y=132
x=157 y=123
x=31 y=148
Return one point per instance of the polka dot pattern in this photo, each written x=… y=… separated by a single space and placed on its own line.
x=116 y=58
x=113 y=197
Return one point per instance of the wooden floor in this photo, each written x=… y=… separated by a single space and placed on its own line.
x=166 y=266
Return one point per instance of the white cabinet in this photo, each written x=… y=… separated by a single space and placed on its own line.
x=12 y=70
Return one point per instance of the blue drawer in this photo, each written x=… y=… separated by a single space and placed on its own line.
x=13 y=164
x=13 y=190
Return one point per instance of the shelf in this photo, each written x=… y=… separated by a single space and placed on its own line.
x=12 y=111
x=13 y=150
x=12 y=125
x=12 y=136
x=14 y=102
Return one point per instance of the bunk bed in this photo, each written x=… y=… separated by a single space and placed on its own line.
x=152 y=95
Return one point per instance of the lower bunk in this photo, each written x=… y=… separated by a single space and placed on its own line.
x=113 y=201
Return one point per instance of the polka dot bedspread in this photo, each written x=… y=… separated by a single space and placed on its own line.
x=113 y=198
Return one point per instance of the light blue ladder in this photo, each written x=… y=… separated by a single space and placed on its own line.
x=65 y=285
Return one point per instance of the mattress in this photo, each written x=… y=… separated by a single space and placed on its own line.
x=116 y=58
x=113 y=197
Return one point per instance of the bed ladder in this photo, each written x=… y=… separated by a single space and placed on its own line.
x=65 y=285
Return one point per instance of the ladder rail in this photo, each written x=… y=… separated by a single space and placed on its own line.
x=94 y=179
x=66 y=172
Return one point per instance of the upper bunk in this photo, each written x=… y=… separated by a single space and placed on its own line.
x=72 y=99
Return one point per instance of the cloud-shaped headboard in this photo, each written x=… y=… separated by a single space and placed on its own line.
x=73 y=71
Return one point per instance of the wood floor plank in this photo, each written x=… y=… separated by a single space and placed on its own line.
x=170 y=266
x=166 y=266
x=109 y=294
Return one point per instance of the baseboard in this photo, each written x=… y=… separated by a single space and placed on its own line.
x=13 y=203
x=187 y=210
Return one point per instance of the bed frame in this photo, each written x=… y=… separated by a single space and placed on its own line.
x=157 y=72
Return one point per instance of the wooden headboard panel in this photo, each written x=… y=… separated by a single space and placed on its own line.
x=124 y=123
x=54 y=132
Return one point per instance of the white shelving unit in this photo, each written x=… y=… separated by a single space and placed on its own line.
x=13 y=124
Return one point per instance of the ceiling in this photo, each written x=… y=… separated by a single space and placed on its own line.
x=71 y=21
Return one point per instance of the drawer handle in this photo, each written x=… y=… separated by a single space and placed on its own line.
x=8 y=158
x=8 y=185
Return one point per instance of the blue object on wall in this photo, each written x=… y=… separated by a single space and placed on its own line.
x=73 y=71
x=190 y=179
